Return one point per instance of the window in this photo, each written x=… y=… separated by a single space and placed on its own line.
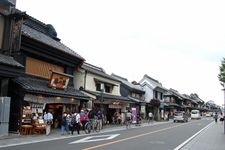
x=156 y=95
x=161 y=96
x=98 y=86
x=108 y=88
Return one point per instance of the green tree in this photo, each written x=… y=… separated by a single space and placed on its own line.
x=221 y=75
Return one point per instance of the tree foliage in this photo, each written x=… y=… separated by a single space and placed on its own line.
x=221 y=75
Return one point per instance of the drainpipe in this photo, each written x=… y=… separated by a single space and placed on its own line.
x=85 y=77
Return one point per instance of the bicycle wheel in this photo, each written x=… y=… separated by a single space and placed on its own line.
x=97 y=126
x=87 y=128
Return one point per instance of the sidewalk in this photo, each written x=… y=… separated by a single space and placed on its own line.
x=212 y=138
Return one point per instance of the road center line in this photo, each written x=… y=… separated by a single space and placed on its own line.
x=129 y=138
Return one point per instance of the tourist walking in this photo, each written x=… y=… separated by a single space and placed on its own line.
x=48 y=119
x=75 y=121
x=64 y=124
x=150 y=117
x=216 y=117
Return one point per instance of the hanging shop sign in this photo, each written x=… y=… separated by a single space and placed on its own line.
x=59 y=80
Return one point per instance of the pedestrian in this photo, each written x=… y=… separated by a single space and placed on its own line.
x=64 y=124
x=83 y=118
x=100 y=118
x=48 y=119
x=150 y=117
x=91 y=115
x=75 y=121
x=128 y=119
x=216 y=117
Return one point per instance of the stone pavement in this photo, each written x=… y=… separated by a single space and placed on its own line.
x=211 y=138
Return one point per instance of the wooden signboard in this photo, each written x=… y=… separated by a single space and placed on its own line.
x=59 y=80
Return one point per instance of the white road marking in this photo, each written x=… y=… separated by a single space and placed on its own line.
x=96 y=138
x=188 y=140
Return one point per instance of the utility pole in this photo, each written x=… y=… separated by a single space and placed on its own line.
x=224 y=108
x=101 y=100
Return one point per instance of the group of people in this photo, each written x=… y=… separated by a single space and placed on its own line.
x=77 y=121
x=73 y=121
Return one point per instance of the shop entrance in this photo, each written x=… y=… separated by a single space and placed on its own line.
x=57 y=112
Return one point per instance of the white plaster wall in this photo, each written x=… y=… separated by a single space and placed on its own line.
x=79 y=78
x=90 y=82
x=148 y=93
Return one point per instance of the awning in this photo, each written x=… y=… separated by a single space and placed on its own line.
x=46 y=99
x=39 y=86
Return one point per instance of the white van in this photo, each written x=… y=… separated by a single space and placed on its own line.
x=195 y=114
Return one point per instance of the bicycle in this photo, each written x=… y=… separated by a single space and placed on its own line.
x=93 y=125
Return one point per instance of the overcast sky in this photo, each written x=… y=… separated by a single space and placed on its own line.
x=177 y=42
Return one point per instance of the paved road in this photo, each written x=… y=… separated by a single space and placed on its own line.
x=160 y=137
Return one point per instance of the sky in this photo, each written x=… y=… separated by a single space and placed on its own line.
x=179 y=43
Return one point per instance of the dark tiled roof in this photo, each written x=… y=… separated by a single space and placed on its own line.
x=126 y=82
x=108 y=96
x=136 y=100
x=175 y=93
x=173 y=104
x=40 y=86
x=45 y=39
x=98 y=71
x=7 y=60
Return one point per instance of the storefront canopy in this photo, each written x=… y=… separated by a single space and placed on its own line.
x=39 y=86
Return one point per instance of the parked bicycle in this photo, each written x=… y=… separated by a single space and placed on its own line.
x=93 y=125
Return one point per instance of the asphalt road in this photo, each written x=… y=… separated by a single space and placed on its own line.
x=160 y=137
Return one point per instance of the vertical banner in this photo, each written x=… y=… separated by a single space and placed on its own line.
x=134 y=115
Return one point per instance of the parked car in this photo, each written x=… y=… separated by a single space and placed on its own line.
x=208 y=114
x=195 y=114
x=180 y=116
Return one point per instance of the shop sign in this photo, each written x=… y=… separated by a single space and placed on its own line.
x=115 y=106
x=59 y=80
x=142 y=109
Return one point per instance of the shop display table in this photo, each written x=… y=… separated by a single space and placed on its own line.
x=26 y=129
x=39 y=129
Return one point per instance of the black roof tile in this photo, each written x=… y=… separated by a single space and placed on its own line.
x=8 y=60
x=126 y=82
x=40 y=86
x=39 y=31
x=98 y=71
x=109 y=96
